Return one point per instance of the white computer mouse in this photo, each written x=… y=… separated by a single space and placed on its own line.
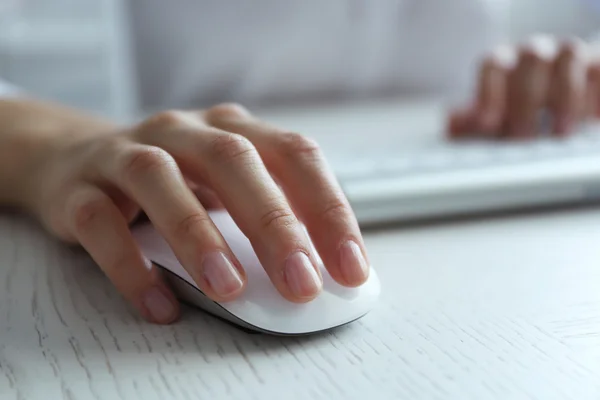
x=261 y=308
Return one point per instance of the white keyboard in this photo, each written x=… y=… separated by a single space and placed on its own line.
x=467 y=177
x=394 y=164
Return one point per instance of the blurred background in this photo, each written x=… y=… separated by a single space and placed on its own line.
x=76 y=51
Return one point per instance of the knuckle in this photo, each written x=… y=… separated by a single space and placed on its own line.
x=279 y=217
x=503 y=57
x=225 y=111
x=335 y=211
x=491 y=63
x=530 y=55
x=88 y=211
x=229 y=147
x=189 y=224
x=142 y=161
x=297 y=146
x=570 y=50
x=165 y=120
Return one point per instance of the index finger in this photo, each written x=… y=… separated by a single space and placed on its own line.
x=150 y=176
x=102 y=230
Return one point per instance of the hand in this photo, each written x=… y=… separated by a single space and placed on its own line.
x=517 y=83
x=87 y=189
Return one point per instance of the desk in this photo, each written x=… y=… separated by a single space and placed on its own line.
x=503 y=308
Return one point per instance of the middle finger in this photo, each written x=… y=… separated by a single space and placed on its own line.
x=527 y=92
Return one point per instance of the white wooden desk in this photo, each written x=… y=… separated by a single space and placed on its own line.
x=504 y=308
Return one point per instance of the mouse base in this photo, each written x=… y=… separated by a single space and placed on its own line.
x=228 y=322
x=182 y=287
x=259 y=331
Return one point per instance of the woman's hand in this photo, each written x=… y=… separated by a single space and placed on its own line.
x=88 y=188
x=517 y=84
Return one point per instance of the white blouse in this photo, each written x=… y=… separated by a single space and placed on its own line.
x=195 y=53
x=200 y=52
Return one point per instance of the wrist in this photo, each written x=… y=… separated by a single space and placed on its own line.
x=20 y=164
x=31 y=136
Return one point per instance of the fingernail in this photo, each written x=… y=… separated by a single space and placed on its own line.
x=355 y=269
x=221 y=275
x=160 y=306
x=301 y=276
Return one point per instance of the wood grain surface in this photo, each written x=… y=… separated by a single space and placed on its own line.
x=487 y=309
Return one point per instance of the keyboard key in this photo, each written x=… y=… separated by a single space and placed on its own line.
x=459 y=156
x=397 y=165
x=578 y=143
x=513 y=153
x=436 y=160
x=546 y=148
x=357 y=168
x=475 y=156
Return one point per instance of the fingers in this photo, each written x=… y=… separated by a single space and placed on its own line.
x=528 y=87
x=207 y=197
x=568 y=88
x=299 y=166
x=150 y=177
x=514 y=89
x=462 y=122
x=492 y=91
x=102 y=230
x=486 y=116
x=232 y=167
x=593 y=92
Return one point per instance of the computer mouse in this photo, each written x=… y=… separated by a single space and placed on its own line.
x=261 y=308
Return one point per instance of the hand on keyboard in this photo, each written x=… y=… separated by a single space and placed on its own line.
x=523 y=90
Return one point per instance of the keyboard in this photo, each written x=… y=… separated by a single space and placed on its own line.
x=394 y=163
x=452 y=178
